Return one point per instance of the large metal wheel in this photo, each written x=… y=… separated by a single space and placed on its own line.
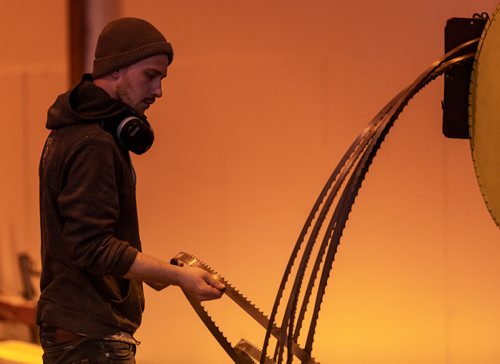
x=484 y=115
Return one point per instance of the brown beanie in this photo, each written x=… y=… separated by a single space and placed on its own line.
x=126 y=41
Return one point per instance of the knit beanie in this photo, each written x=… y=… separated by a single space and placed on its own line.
x=126 y=41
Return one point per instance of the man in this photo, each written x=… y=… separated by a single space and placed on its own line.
x=91 y=298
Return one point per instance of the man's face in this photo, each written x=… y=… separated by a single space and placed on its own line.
x=139 y=84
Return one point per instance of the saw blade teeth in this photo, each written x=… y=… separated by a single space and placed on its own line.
x=185 y=257
x=255 y=352
x=192 y=260
x=208 y=317
x=235 y=295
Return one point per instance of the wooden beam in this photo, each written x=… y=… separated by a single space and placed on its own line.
x=16 y=309
x=77 y=39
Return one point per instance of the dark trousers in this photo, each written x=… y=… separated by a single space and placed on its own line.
x=83 y=350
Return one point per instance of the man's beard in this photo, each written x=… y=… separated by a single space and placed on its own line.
x=123 y=94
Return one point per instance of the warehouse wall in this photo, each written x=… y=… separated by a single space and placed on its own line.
x=262 y=100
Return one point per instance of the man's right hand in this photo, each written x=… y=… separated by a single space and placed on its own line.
x=199 y=284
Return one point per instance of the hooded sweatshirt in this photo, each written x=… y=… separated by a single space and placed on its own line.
x=88 y=214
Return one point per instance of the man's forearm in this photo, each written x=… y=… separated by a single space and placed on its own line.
x=153 y=271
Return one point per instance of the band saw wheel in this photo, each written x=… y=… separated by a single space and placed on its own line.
x=484 y=115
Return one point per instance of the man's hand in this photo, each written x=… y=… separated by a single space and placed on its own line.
x=199 y=284
x=158 y=274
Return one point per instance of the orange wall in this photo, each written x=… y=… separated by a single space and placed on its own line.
x=33 y=70
x=262 y=100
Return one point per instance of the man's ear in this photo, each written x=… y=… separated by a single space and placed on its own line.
x=116 y=74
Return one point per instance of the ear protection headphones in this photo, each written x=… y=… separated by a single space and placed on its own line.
x=132 y=132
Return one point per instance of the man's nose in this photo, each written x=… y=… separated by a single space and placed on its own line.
x=157 y=91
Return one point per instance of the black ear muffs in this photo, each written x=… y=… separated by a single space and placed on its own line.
x=133 y=132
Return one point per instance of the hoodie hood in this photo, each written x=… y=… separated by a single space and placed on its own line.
x=85 y=103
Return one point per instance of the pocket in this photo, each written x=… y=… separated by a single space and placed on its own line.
x=119 y=352
x=131 y=303
x=46 y=360
x=72 y=352
x=66 y=346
